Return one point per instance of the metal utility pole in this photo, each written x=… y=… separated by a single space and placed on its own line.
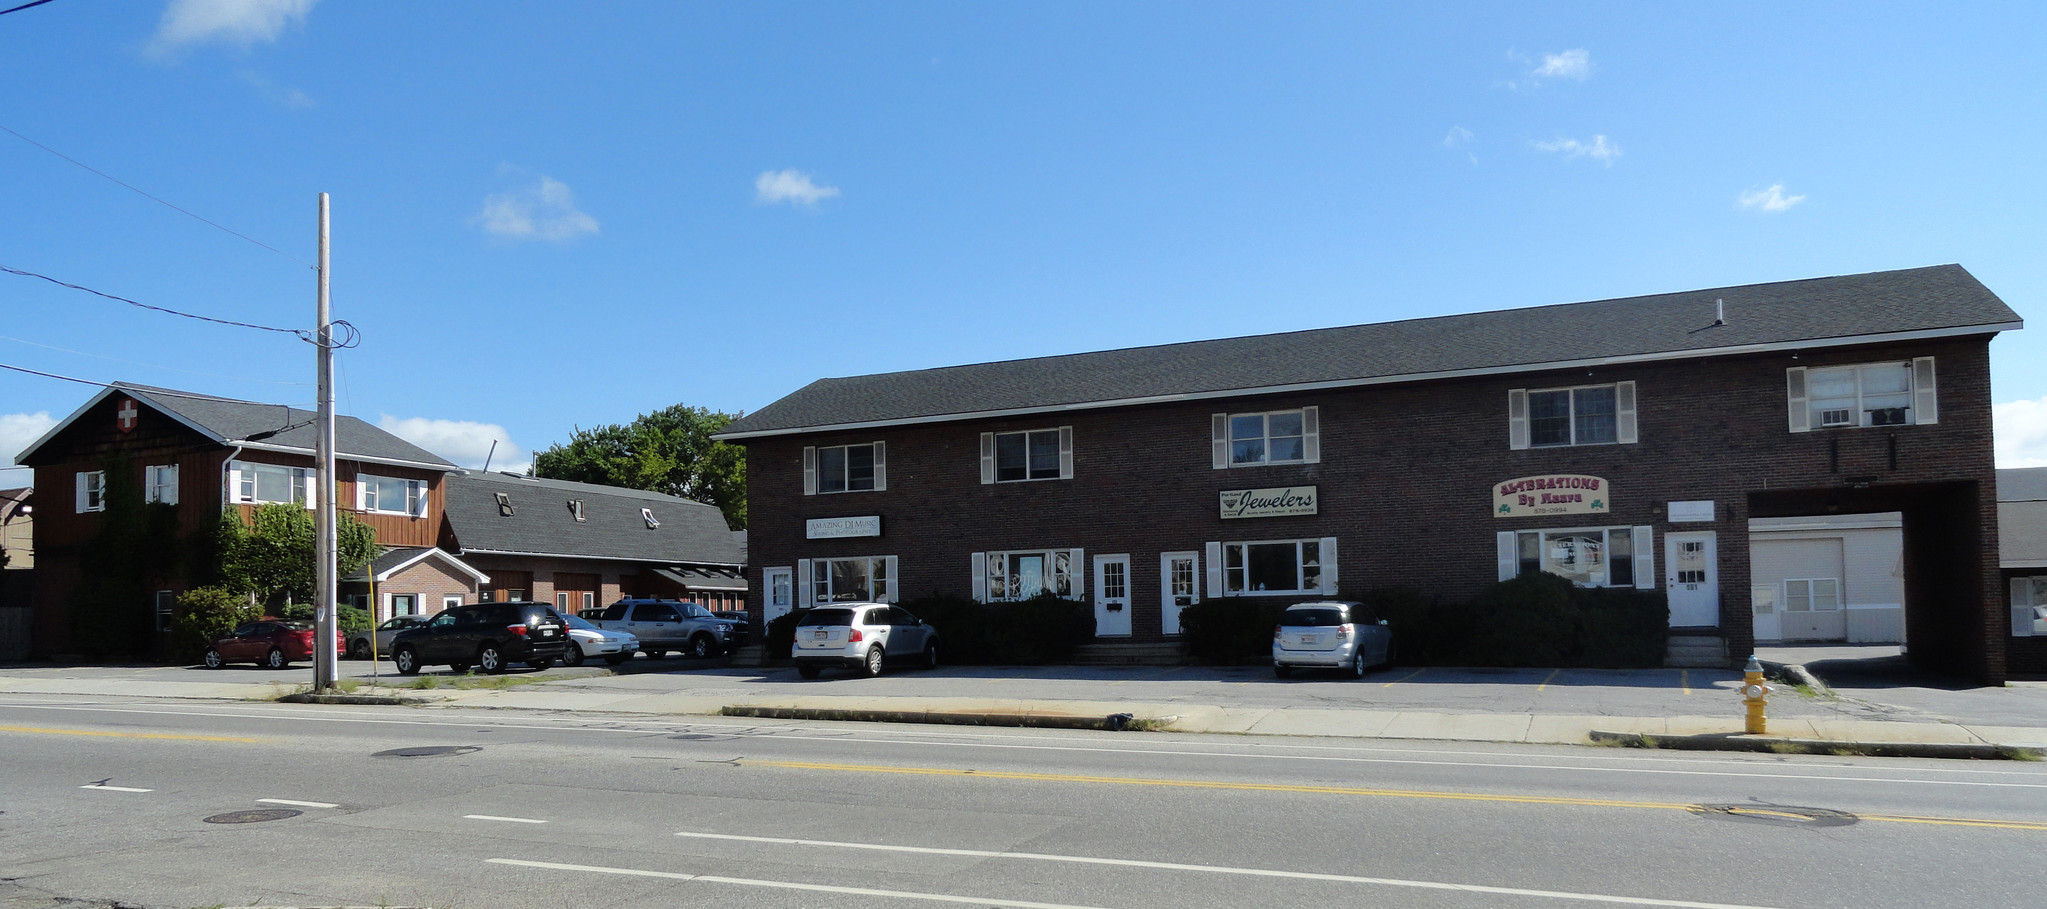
x=325 y=672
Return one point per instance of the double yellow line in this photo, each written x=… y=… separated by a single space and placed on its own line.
x=37 y=730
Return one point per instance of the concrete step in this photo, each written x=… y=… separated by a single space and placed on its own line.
x=1121 y=653
x=1696 y=651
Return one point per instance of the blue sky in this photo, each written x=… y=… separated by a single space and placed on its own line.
x=551 y=215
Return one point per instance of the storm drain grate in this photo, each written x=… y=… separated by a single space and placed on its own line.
x=1777 y=815
x=253 y=816
x=427 y=751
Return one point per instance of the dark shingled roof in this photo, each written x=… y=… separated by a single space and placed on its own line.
x=1809 y=313
x=541 y=522
x=229 y=421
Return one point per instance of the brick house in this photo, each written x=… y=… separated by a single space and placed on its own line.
x=2022 y=548
x=579 y=545
x=1617 y=442
x=188 y=456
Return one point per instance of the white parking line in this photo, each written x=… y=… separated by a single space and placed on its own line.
x=1225 y=869
x=511 y=820
x=791 y=885
x=114 y=788
x=298 y=804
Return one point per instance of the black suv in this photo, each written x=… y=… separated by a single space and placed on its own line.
x=485 y=635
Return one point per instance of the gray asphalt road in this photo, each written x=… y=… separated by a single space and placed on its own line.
x=109 y=799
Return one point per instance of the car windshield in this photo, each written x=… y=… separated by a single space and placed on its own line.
x=296 y=626
x=1313 y=616
x=576 y=621
x=827 y=617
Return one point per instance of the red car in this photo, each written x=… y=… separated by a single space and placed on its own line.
x=272 y=642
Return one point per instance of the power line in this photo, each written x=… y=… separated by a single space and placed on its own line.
x=347 y=329
x=24 y=6
x=140 y=192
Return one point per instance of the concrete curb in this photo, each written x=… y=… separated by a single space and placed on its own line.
x=1115 y=722
x=1781 y=745
x=370 y=699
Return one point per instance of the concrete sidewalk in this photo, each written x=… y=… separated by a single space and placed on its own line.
x=1808 y=734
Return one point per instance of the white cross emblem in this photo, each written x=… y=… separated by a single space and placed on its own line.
x=125 y=417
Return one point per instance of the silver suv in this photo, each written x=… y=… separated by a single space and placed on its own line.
x=861 y=636
x=1330 y=634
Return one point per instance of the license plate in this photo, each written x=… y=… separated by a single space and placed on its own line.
x=820 y=635
x=1308 y=639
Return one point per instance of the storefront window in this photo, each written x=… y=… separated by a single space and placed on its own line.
x=1022 y=575
x=1598 y=557
x=851 y=580
x=1284 y=566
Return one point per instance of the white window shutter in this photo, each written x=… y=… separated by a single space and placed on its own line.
x=1219 y=446
x=84 y=501
x=803 y=596
x=170 y=477
x=1510 y=555
x=2021 y=607
x=1311 y=434
x=362 y=487
x=1794 y=392
x=1328 y=548
x=987 y=458
x=1645 y=558
x=809 y=470
x=1215 y=570
x=1624 y=412
x=880 y=466
x=890 y=588
x=1925 y=404
x=1076 y=568
x=1517 y=418
x=980 y=576
x=1066 y=454
x=424 y=494
x=233 y=492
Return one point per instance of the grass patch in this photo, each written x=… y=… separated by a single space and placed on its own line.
x=424 y=683
x=470 y=682
x=2021 y=754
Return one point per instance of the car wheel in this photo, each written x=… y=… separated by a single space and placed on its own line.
x=540 y=665
x=575 y=655
x=1282 y=670
x=655 y=654
x=360 y=650
x=490 y=659
x=275 y=659
x=212 y=659
x=931 y=655
x=807 y=671
x=873 y=664
x=406 y=659
x=458 y=667
x=618 y=659
x=702 y=647
x=1357 y=665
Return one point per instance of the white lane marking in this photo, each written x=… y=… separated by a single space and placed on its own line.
x=1226 y=869
x=298 y=804
x=921 y=738
x=511 y=820
x=114 y=788
x=791 y=885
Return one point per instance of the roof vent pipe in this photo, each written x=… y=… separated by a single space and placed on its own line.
x=1719 y=311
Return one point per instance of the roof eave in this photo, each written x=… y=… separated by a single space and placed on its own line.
x=341 y=455
x=599 y=558
x=1739 y=350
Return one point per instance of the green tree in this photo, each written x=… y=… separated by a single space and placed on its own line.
x=668 y=451
x=272 y=554
x=134 y=549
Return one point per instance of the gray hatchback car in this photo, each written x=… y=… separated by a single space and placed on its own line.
x=1330 y=634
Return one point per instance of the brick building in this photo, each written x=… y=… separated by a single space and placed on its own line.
x=1619 y=443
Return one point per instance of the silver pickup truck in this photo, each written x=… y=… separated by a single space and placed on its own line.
x=670 y=625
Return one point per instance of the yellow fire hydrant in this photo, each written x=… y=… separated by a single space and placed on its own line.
x=1755 y=695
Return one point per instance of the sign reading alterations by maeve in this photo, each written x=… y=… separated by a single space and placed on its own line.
x=1557 y=494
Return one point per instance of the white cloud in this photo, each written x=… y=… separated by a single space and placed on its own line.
x=242 y=22
x=464 y=442
x=17 y=431
x=1571 y=64
x=1598 y=149
x=1772 y=199
x=792 y=186
x=542 y=211
x=2019 y=431
x=1458 y=135
x=287 y=97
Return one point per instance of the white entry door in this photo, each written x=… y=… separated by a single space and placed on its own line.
x=1769 y=623
x=1692 y=579
x=780 y=596
x=1179 y=587
x=1112 y=596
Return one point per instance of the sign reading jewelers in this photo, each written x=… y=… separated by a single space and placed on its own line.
x=1268 y=503
x=832 y=528
x=1558 y=494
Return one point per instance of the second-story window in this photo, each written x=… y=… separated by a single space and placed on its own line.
x=1272 y=437
x=91 y=489
x=390 y=495
x=1039 y=454
x=1865 y=394
x=844 y=468
x=160 y=483
x=254 y=483
x=1585 y=415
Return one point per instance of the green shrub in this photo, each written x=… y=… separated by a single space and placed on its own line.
x=204 y=614
x=1541 y=619
x=1232 y=630
x=1043 y=629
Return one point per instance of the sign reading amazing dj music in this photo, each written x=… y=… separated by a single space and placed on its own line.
x=1558 y=494
x=833 y=528
x=1268 y=503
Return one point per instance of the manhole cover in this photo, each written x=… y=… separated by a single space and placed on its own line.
x=427 y=751
x=1777 y=815
x=253 y=816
